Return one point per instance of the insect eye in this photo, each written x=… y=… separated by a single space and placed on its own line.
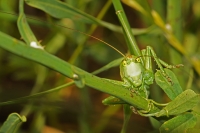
x=137 y=59
x=124 y=63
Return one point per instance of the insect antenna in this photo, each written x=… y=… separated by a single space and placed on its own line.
x=69 y=29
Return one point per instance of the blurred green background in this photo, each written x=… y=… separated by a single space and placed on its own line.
x=75 y=110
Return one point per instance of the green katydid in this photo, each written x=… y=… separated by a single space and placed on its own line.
x=136 y=71
x=138 y=77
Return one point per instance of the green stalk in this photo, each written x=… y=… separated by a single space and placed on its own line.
x=126 y=28
x=127 y=115
x=17 y=100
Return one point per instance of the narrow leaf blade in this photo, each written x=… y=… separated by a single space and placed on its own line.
x=24 y=28
x=61 y=10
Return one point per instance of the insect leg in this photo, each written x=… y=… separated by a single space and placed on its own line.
x=148 y=75
x=170 y=66
x=159 y=63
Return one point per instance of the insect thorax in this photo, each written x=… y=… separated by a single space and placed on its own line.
x=131 y=71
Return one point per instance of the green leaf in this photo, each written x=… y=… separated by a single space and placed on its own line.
x=179 y=124
x=24 y=28
x=60 y=9
x=171 y=89
x=12 y=122
x=182 y=103
x=42 y=57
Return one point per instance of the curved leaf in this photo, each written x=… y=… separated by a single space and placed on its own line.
x=179 y=124
x=24 y=28
x=60 y=9
x=172 y=89
x=12 y=122
x=182 y=103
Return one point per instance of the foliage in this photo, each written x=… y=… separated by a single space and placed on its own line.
x=164 y=25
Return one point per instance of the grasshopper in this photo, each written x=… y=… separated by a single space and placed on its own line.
x=135 y=69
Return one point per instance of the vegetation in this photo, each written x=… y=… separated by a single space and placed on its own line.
x=55 y=71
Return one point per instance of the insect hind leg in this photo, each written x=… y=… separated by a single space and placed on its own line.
x=161 y=63
x=148 y=74
x=170 y=66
